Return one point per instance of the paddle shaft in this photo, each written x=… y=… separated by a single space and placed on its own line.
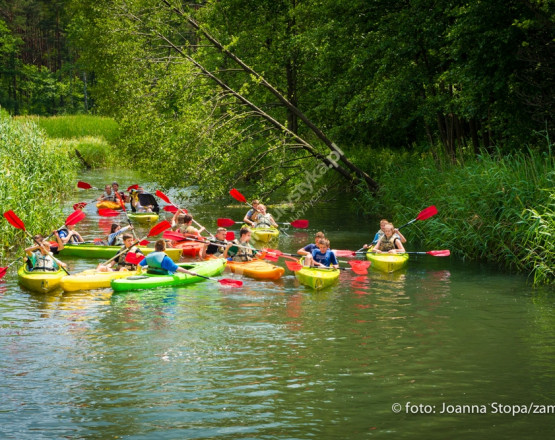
x=122 y=252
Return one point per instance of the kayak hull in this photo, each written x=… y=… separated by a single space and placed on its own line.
x=40 y=281
x=257 y=269
x=107 y=252
x=189 y=248
x=387 y=262
x=264 y=234
x=143 y=218
x=317 y=278
x=144 y=281
x=92 y=279
x=108 y=205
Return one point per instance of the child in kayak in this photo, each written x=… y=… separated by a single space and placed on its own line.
x=264 y=219
x=217 y=246
x=307 y=250
x=68 y=234
x=40 y=255
x=389 y=242
x=120 y=262
x=379 y=234
x=241 y=249
x=184 y=224
x=115 y=238
x=250 y=216
x=323 y=256
x=159 y=263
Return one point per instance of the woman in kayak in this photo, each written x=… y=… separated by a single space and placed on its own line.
x=322 y=256
x=264 y=219
x=389 y=242
x=250 y=216
x=120 y=262
x=217 y=246
x=40 y=254
x=115 y=238
x=107 y=195
x=241 y=249
x=307 y=250
x=159 y=263
x=379 y=234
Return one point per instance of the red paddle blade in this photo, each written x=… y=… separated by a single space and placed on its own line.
x=274 y=251
x=344 y=253
x=359 y=267
x=3 y=271
x=443 y=253
x=428 y=212
x=79 y=206
x=225 y=222
x=120 y=200
x=172 y=209
x=230 y=282
x=159 y=228
x=163 y=196
x=136 y=186
x=143 y=242
x=75 y=217
x=293 y=265
x=134 y=258
x=230 y=235
x=105 y=212
x=301 y=224
x=237 y=195
x=83 y=185
x=14 y=220
x=172 y=235
x=271 y=257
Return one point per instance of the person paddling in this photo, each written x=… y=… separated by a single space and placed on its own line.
x=184 y=224
x=307 y=250
x=115 y=238
x=379 y=234
x=323 y=256
x=120 y=262
x=217 y=247
x=159 y=263
x=264 y=219
x=39 y=254
x=68 y=234
x=240 y=249
x=107 y=195
x=389 y=242
x=250 y=216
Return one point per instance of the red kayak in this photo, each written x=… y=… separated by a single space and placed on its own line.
x=190 y=248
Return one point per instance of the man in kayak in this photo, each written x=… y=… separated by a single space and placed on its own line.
x=68 y=234
x=307 y=250
x=120 y=262
x=323 y=256
x=217 y=246
x=107 y=195
x=115 y=190
x=159 y=263
x=241 y=249
x=250 y=216
x=389 y=242
x=40 y=254
x=264 y=219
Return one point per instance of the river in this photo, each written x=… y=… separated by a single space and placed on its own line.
x=443 y=349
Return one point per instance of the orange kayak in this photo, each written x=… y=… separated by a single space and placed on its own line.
x=190 y=248
x=257 y=269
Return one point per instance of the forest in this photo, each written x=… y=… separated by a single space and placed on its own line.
x=413 y=97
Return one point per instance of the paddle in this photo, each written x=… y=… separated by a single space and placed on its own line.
x=166 y=199
x=72 y=219
x=173 y=209
x=107 y=212
x=238 y=196
x=136 y=186
x=155 y=230
x=134 y=258
x=441 y=253
x=227 y=222
x=85 y=185
x=16 y=222
x=223 y=281
x=344 y=253
x=359 y=269
x=122 y=204
x=426 y=213
x=178 y=236
x=4 y=270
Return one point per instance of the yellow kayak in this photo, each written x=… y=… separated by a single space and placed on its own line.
x=387 y=262
x=92 y=279
x=264 y=234
x=317 y=278
x=257 y=269
x=40 y=281
x=108 y=205
x=143 y=218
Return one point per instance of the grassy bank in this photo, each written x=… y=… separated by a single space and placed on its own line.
x=34 y=178
x=495 y=208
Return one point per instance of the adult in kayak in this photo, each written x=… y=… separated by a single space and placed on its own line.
x=107 y=195
x=307 y=250
x=68 y=234
x=240 y=249
x=115 y=238
x=250 y=216
x=264 y=219
x=217 y=247
x=159 y=263
x=120 y=262
x=323 y=256
x=379 y=234
x=39 y=254
x=115 y=190
x=389 y=242
x=183 y=223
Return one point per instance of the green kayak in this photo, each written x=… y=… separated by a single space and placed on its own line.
x=207 y=268
x=87 y=250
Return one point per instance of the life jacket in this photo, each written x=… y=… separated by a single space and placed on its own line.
x=264 y=220
x=121 y=263
x=64 y=232
x=243 y=253
x=43 y=262
x=154 y=262
x=218 y=249
x=388 y=244
x=108 y=197
x=252 y=215
x=192 y=231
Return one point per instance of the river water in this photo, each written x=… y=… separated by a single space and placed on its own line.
x=444 y=349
